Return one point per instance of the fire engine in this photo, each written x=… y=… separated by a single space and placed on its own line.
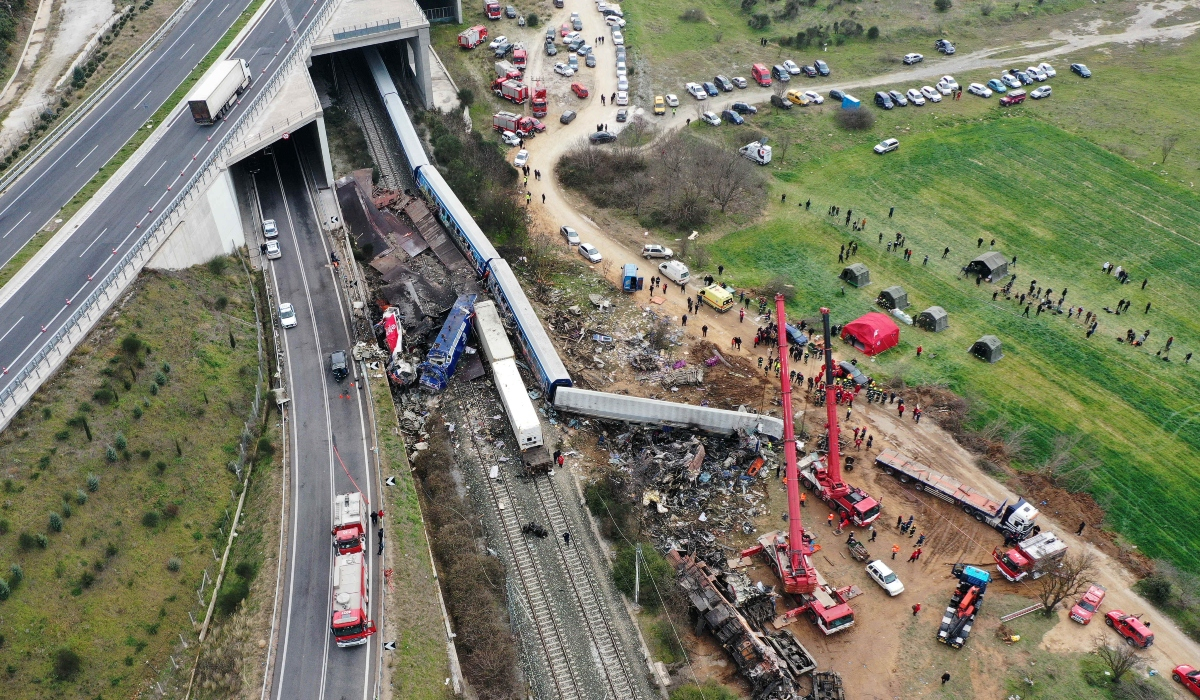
x=351 y=623
x=349 y=523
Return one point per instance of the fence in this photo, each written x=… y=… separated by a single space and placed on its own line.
x=383 y=25
x=62 y=341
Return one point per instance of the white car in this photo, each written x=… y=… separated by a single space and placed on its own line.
x=791 y=67
x=271 y=248
x=696 y=90
x=618 y=37
x=931 y=94
x=622 y=84
x=287 y=315
x=977 y=89
x=1047 y=69
x=915 y=97
x=498 y=41
x=1011 y=80
x=589 y=253
x=622 y=98
x=621 y=72
x=270 y=229
x=739 y=82
x=885 y=577
x=521 y=159
x=814 y=98
x=672 y=100
x=710 y=118
x=912 y=58
x=510 y=139
x=569 y=234
x=614 y=21
x=886 y=146
x=1037 y=74
x=1040 y=92
x=947 y=85
x=653 y=250
x=564 y=70
x=620 y=65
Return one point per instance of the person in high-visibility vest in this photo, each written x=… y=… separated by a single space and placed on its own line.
x=803 y=496
x=830 y=520
x=895 y=550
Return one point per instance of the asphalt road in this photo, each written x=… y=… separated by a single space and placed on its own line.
x=329 y=428
x=28 y=317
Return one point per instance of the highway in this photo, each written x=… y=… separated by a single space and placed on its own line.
x=29 y=316
x=329 y=428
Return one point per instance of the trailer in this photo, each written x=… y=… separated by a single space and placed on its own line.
x=218 y=90
x=489 y=330
x=965 y=603
x=1015 y=521
x=442 y=359
x=1032 y=557
x=349 y=523
x=667 y=414
x=470 y=38
x=511 y=90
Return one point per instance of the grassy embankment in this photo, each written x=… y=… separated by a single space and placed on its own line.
x=108 y=169
x=116 y=488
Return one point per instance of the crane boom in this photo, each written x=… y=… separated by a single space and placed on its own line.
x=833 y=460
x=795 y=526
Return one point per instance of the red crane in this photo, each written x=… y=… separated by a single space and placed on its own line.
x=790 y=554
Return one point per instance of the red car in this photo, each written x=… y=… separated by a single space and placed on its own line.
x=1088 y=604
x=1135 y=632
x=579 y=90
x=565 y=29
x=1189 y=677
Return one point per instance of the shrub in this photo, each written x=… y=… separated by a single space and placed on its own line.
x=265 y=448
x=3 y=526
x=233 y=592
x=159 y=379
x=104 y=396
x=221 y=302
x=137 y=412
x=26 y=541
x=759 y=22
x=93 y=483
x=66 y=509
x=653 y=567
x=110 y=550
x=942 y=5
x=42 y=541
x=62 y=435
x=171 y=511
x=81 y=497
x=855 y=119
x=46 y=413
x=5 y=591
x=748 y=5
x=873 y=33
x=466 y=96
x=217 y=265
x=1157 y=588
x=131 y=344
x=67 y=664
x=532 y=20
x=174 y=564
x=120 y=441
x=16 y=575
x=56 y=522
x=711 y=690
x=245 y=570
x=161 y=466
x=693 y=14
x=986 y=9
x=150 y=519
x=110 y=453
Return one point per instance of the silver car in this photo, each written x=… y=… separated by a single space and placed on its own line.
x=589 y=252
x=569 y=234
x=287 y=315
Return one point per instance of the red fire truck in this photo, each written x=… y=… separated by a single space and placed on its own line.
x=520 y=55
x=349 y=524
x=1032 y=557
x=351 y=623
x=492 y=9
x=539 y=103
x=511 y=90
x=470 y=38
x=507 y=121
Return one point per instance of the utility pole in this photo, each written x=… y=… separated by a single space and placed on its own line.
x=637 y=571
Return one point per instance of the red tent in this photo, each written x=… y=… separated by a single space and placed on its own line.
x=872 y=333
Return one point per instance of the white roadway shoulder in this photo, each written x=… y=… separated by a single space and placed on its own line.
x=64 y=234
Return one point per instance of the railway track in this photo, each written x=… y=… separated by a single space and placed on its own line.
x=365 y=110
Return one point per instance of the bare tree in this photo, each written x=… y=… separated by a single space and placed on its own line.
x=779 y=87
x=539 y=250
x=1119 y=660
x=785 y=142
x=1168 y=145
x=728 y=174
x=1061 y=467
x=1068 y=580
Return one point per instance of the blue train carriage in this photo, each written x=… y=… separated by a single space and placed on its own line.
x=630 y=281
x=536 y=348
x=440 y=363
x=466 y=233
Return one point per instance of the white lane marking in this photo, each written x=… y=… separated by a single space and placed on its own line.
x=185 y=51
x=141 y=101
x=223 y=9
x=164 y=164
x=89 y=246
x=88 y=154
x=14 y=226
x=10 y=330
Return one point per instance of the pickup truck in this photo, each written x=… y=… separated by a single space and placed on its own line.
x=1131 y=627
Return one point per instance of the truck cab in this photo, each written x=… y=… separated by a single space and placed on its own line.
x=1131 y=627
x=492 y=9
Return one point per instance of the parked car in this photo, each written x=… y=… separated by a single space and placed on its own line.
x=796 y=97
x=898 y=98
x=337 y=365
x=915 y=97
x=977 y=89
x=1015 y=97
x=622 y=84
x=567 y=117
x=614 y=21
x=813 y=97
x=550 y=34
x=287 y=315
x=565 y=29
x=781 y=103
x=590 y=60
x=997 y=86
x=944 y=46
x=583 y=50
x=510 y=12
x=1081 y=70
x=618 y=40
x=660 y=107
x=781 y=74
x=675 y=271
x=710 y=118
x=912 y=58
x=653 y=250
x=620 y=53
x=1040 y=92
x=791 y=67
x=622 y=98
x=837 y=95
x=521 y=159
x=1188 y=677
x=570 y=234
x=564 y=70
x=622 y=115
x=502 y=50
x=1037 y=74
x=551 y=49
x=1131 y=627
x=710 y=89
x=271 y=250
x=886 y=146
x=538 y=126
x=947 y=84
x=270 y=228
x=1048 y=70
x=579 y=90
x=672 y=100
x=883 y=575
x=576 y=24
x=1024 y=77
x=931 y=94
x=739 y=82
x=696 y=90
x=1011 y=80
x=723 y=83
x=589 y=252
x=733 y=117
x=822 y=67
x=744 y=108
x=495 y=43
x=1087 y=606
x=508 y=138
x=884 y=100
x=602 y=137
x=808 y=71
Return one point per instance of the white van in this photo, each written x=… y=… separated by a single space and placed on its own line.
x=675 y=271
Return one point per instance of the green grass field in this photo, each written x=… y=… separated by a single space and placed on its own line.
x=116 y=583
x=1063 y=206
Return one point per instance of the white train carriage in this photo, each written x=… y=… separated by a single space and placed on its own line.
x=521 y=414
x=633 y=409
x=410 y=143
x=537 y=349
x=489 y=329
